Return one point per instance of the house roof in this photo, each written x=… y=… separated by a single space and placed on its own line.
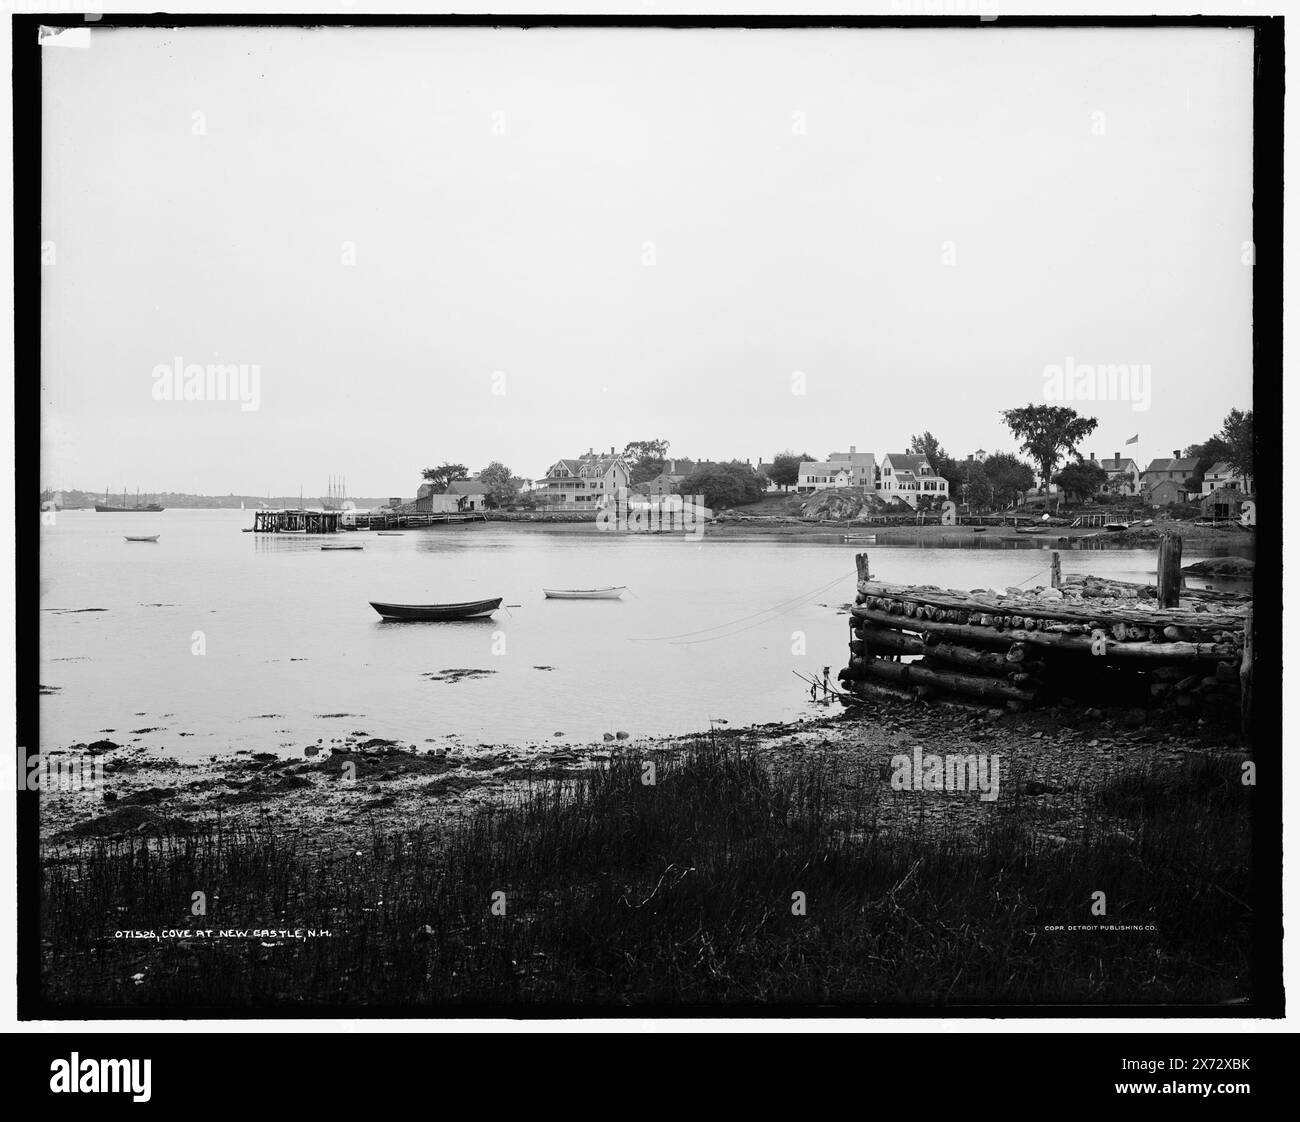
x=905 y=476
x=467 y=487
x=1223 y=468
x=1110 y=463
x=1186 y=463
x=906 y=461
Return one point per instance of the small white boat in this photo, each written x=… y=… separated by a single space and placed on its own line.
x=611 y=593
x=864 y=539
x=333 y=548
x=389 y=533
x=142 y=537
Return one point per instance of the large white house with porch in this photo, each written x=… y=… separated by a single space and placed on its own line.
x=584 y=483
x=907 y=476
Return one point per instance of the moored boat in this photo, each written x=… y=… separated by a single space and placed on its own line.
x=334 y=548
x=142 y=537
x=611 y=593
x=436 y=613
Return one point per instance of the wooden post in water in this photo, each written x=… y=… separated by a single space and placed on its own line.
x=1247 y=671
x=1169 y=570
x=1056 y=569
x=863 y=568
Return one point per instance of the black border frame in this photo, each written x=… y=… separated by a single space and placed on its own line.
x=1266 y=732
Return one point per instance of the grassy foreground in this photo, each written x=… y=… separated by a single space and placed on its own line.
x=617 y=892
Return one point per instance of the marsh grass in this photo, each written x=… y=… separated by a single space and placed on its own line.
x=622 y=893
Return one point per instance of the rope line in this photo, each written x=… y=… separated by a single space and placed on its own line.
x=779 y=608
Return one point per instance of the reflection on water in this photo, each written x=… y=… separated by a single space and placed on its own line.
x=215 y=640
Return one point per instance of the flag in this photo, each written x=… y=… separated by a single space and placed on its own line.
x=1132 y=439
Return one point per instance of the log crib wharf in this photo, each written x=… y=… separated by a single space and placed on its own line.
x=296 y=521
x=1085 y=640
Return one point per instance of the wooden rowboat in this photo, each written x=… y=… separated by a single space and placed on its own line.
x=472 y=609
x=389 y=533
x=611 y=593
x=331 y=548
x=142 y=538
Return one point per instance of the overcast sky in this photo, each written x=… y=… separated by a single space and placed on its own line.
x=920 y=222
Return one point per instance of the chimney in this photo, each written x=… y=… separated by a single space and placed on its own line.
x=1117 y=459
x=853 y=448
x=611 y=449
x=1177 y=454
x=1092 y=455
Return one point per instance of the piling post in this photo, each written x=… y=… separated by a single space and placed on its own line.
x=864 y=572
x=1169 y=570
x=1056 y=569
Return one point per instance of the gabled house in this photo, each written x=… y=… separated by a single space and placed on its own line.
x=861 y=465
x=1166 y=492
x=908 y=476
x=470 y=494
x=820 y=476
x=1223 y=474
x=583 y=483
x=426 y=502
x=1123 y=476
x=461 y=495
x=1178 y=470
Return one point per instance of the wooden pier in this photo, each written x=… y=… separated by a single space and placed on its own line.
x=1088 y=640
x=403 y=520
x=296 y=521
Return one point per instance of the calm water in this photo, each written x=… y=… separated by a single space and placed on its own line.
x=707 y=630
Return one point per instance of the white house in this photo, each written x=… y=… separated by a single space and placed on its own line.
x=910 y=478
x=1223 y=475
x=584 y=483
x=861 y=465
x=821 y=476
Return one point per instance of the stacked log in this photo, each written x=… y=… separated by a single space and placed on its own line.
x=1096 y=641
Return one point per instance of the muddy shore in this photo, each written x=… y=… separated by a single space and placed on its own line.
x=342 y=794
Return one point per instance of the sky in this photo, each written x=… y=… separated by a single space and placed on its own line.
x=496 y=244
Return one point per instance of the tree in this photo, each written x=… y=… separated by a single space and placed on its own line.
x=1045 y=431
x=785 y=468
x=976 y=490
x=927 y=445
x=1083 y=479
x=502 y=487
x=645 y=459
x=1007 y=477
x=1206 y=456
x=1239 y=435
x=730 y=484
x=444 y=475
